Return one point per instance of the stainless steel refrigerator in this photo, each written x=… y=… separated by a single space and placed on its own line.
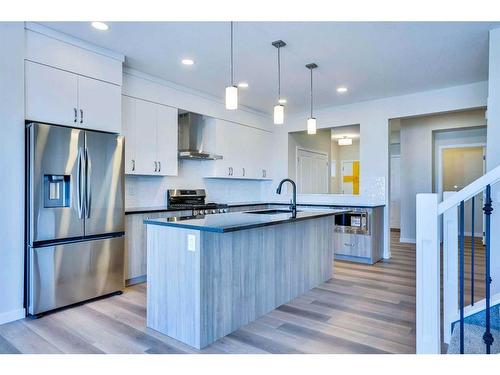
x=75 y=216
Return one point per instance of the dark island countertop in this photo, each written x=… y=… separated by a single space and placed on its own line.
x=143 y=210
x=230 y=222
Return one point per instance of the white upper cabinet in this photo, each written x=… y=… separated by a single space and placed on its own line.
x=129 y=131
x=51 y=95
x=167 y=140
x=99 y=105
x=64 y=98
x=245 y=151
x=150 y=131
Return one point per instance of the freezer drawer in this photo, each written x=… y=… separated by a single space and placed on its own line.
x=62 y=275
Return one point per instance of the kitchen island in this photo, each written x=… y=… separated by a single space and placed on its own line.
x=210 y=275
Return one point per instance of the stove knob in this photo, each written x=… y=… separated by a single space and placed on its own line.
x=206 y=212
x=214 y=211
x=195 y=213
x=226 y=209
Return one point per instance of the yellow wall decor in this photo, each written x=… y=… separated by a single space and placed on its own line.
x=354 y=178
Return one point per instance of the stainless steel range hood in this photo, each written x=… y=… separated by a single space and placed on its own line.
x=192 y=142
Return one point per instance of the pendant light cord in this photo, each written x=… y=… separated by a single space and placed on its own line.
x=311 y=92
x=232 y=73
x=279 y=74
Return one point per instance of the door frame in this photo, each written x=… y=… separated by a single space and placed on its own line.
x=440 y=162
x=300 y=148
x=440 y=171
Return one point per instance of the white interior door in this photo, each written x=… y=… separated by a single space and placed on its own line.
x=312 y=172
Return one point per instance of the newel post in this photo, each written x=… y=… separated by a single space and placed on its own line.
x=428 y=319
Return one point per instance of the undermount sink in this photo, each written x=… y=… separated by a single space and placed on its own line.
x=270 y=212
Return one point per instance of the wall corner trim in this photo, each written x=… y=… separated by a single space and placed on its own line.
x=10 y=316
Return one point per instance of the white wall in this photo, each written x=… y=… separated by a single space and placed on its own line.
x=143 y=191
x=147 y=191
x=417 y=149
x=11 y=170
x=493 y=155
x=373 y=117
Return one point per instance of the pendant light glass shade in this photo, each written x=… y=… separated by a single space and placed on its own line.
x=231 y=97
x=232 y=90
x=279 y=109
x=311 y=125
x=279 y=114
x=311 y=121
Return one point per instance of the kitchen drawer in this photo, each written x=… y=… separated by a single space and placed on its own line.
x=353 y=245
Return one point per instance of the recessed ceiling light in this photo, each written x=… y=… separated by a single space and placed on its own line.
x=243 y=85
x=100 y=26
x=187 y=62
x=341 y=89
x=282 y=101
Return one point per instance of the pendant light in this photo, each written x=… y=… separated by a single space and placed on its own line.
x=279 y=109
x=311 y=121
x=232 y=90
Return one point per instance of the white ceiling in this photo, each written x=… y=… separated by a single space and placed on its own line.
x=373 y=59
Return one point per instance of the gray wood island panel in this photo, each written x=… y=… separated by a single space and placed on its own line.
x=205 y=284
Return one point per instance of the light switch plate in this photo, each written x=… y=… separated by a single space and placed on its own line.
x=191 y=242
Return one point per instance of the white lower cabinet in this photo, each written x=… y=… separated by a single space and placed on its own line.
x=150 y=131
x=136 y=243
x=64 y=98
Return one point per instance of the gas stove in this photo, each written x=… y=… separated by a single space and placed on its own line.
x=183 y=199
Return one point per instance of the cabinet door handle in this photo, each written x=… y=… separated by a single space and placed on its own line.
x=348 y=244
x=243 y=172
x=81 y=116
x=230 y=171
x=76 y=114
x=159 y=166
x=133 y=165
x=263 y=173
x=156 y=167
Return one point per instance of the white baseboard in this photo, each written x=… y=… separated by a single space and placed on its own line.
x=10 y=316
x=407 y=240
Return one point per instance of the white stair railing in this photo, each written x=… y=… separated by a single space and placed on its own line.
x=428 y=305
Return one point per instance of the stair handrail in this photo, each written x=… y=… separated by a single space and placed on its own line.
x=470 y=190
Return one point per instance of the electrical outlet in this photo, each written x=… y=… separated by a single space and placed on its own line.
x=191 y=242
x=131 y=189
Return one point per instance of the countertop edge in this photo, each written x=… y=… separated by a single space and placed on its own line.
x=178 y=224
x=145 y=210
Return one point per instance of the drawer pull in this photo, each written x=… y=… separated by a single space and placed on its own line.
x=349 y=244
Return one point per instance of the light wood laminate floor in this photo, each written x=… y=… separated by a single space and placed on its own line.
x=362 y=309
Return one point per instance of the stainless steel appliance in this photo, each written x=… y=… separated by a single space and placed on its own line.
x=191 y=137
x=185 y=199
x=355 y=221
x=75 y=216
x=358 y=235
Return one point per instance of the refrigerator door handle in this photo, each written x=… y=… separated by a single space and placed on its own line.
x=88 y=191
x=79 y=183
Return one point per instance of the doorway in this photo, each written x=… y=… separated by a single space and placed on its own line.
x=460 y=165
x=313 y=172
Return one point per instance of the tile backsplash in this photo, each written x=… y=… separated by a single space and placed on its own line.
x=147 y=191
